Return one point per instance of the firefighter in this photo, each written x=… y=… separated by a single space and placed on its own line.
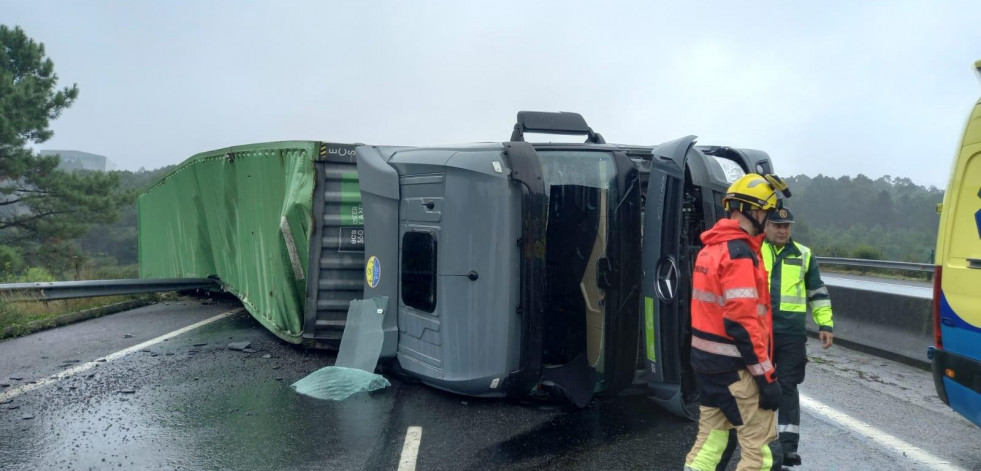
x=795 y=285
x=731 y=341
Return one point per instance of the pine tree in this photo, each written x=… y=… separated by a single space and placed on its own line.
x=40 y=204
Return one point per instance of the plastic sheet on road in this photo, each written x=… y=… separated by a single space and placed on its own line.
x=337 y=383
x=353 y=371
x=363 y=337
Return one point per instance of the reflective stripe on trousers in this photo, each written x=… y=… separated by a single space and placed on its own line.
x=757 y=437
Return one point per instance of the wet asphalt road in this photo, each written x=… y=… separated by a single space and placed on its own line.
x=192 y=403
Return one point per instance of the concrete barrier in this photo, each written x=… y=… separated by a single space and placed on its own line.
x=883 y=322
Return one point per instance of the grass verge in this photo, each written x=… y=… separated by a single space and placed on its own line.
x=24 y=317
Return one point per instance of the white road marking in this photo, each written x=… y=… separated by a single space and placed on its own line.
x=14 y=392
x=410 y=450
x=864 y=430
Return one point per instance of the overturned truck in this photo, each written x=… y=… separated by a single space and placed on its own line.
x=509 y=268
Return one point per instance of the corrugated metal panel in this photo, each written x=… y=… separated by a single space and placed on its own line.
x=337 y=247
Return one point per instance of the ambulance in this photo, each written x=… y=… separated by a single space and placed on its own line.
x=956 y=354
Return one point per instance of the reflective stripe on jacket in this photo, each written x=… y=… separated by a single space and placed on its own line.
x=730 y=307
x=795 y=285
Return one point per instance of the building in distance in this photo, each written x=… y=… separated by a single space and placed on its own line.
x=77 y=160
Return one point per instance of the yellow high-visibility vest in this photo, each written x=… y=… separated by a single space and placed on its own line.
x=794 y=294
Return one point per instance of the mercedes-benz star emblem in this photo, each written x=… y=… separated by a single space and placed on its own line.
x=666 y=280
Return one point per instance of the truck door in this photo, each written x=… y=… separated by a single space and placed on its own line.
x=420 y=319
x=666 y=291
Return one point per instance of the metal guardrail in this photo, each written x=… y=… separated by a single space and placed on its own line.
x=880 y=264
x=50 y=291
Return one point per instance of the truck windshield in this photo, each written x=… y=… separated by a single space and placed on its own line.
x=578 y=167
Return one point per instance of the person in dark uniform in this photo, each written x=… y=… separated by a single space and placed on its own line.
x=795 y=285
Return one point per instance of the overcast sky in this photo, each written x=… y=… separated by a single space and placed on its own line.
x=837 y=88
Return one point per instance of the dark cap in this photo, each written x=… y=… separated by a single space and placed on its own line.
x=781 y=216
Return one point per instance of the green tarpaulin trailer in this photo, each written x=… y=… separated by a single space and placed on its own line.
x=246 y=215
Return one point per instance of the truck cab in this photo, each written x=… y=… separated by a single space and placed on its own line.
x=546 y=269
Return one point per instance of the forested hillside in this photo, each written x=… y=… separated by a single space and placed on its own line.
x=888 y=218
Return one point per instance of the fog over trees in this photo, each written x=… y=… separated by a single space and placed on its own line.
x=890 y=218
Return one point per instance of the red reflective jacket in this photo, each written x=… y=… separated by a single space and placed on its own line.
x=732 y=325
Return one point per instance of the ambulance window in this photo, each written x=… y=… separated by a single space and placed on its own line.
x=419 y=270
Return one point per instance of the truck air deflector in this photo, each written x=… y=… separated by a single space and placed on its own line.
x=527 y=172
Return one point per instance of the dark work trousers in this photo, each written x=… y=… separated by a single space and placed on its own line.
x=789 y=357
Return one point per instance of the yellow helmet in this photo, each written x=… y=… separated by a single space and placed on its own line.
x=753 y=191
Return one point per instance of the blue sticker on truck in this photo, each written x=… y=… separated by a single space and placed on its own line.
x=372 y=271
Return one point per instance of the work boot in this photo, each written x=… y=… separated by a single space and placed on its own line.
x=791 y=458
